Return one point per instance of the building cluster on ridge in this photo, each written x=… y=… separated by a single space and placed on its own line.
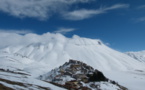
x=74 y=74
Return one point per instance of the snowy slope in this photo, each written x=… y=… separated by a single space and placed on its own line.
x=140 y=56
x=60 y=49
x=22 y=81
x=13 y=77
x=38 y=54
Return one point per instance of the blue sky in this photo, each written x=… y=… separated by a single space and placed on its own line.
x=120 y=23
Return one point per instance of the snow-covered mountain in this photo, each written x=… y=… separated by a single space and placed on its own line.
x=59 y=49
x=140 y=56
x=38 y=54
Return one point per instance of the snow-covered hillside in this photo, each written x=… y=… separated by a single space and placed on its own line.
x=140 y=56
x=59 y=49
x=38 y=54
x=14 y=77
x=18 y=80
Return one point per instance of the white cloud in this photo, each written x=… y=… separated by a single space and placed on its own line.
x=141 y=7
x=117 y=6
x=23 y=37
x=16 y=31
x=41 y=9
x=44 y=9
x=141 y=19
x=84 y=13
x=108 y=44
x=64 y=30
x=81 y=14
x=14 y=39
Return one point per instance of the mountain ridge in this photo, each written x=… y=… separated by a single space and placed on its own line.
x=41 y=54
x=62 y=48
x=140 y=55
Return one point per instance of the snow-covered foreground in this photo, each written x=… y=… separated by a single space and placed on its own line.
x=131 y=80
x=24 y=82
x=49 y=51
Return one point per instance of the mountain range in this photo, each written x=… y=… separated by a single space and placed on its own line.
x=24 y=63
x=140 y=56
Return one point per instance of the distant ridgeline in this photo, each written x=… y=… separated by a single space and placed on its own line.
x=78 y=75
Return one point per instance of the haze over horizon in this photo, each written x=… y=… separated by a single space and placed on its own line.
x=118 y=23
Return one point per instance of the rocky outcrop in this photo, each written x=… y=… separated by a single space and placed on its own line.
x=78 y=75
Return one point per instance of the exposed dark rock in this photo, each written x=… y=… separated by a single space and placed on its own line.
x=74 y=74
x=97 y=76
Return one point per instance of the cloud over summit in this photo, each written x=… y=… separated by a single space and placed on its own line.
x=64 y=30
